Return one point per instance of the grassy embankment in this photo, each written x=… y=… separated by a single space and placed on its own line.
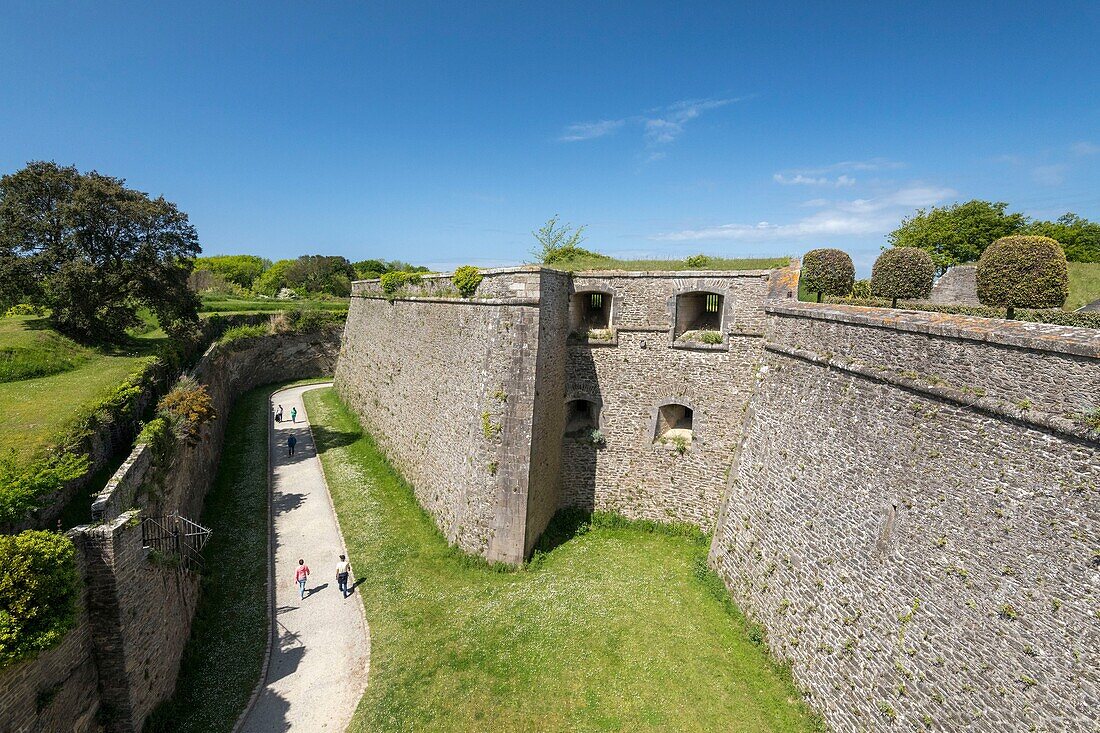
x=662 y=265
x=620 y=627
x=47 y=380
x=228 y=305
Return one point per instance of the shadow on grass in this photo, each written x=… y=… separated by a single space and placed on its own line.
x=327 y=439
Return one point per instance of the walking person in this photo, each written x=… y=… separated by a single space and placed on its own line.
x=343 y=570
x=301 y=575
x=279 y=414
x=290 y=443
x=294 y=414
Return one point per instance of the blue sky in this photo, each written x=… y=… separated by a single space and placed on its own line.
x=444 y=133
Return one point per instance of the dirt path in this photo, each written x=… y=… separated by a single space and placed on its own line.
x=321 y=648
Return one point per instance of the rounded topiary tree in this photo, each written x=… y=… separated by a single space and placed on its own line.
x=1023 y=271
x=902 y=272
x=466 y=279
x=828 y=272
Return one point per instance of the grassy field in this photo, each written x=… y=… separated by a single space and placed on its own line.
x=28 y=349
x=228 y=305
x=1084 y=284
x=713 y=263
x=38 y=409
x=616 y=628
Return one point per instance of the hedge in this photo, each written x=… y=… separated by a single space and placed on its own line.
x=902 y=272
x=1023 y=271
x=828 y=272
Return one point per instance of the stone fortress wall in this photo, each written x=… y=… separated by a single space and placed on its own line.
x=122 y=658
x=906 y=500
x=913 y=516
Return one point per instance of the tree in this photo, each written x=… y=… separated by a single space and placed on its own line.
x=321 y=274
x=1079 y=237
x=274 y=278
x=241 y=270
x=902 y=272
x=1023 y=271
x=560 y=243
x=93 y=251
x=957 y=233
x=828 y=272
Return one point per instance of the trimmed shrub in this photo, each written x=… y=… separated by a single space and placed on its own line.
x=861 y=289
x=697 y=261
x=39 y=589
x=1023 y=271
x=902 y=272
x=466 y=280
x=828 y=272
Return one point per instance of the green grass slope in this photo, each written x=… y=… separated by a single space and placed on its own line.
x=1084 y=284
x=37 y=410
x=615 y=629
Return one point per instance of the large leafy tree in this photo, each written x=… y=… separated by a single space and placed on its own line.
x=241 y=270
x=93 y=251
x=1079 y=237
x=957 y=233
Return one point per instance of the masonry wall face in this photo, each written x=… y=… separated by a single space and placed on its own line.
x=641 y=368
x=447 y=386
x=921 y=559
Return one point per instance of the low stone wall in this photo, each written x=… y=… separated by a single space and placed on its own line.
x=123 y=657
x=913 y=517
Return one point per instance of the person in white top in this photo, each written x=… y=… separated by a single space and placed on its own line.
x=343 y=570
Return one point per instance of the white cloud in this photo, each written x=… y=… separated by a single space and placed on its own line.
x=854 y=217
x=871 y=164
x=799 y=179
x=590 y=130
x=659 y=126
x=1050 y=175
x=1084 y=148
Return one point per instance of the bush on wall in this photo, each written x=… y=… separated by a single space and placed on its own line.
x=1023 y=271
x=828 y=272
x=466 y=280
x=39 y=587
x=188 y=406
x=902 y=272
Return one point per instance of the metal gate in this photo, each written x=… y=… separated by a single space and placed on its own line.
x=176 y=538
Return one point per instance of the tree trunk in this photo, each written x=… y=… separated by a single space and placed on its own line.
x=819 y=297
x=1011 y=312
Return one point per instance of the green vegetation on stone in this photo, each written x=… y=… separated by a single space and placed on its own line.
x=39 y=588
x=466 y=279
x=581 y=264
x=620 y=627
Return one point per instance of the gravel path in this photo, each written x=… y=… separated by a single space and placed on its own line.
x=320 y=653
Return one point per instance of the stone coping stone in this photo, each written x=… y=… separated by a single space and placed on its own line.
x=458 y=301
x=1021 y=334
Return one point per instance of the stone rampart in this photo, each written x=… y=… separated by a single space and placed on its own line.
x=448 y=388
x=913 y=517
x=122 y=658
x=957 y=286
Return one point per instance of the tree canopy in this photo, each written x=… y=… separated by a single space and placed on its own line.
x=960 y=232
x=241 y=270
x=93 y=251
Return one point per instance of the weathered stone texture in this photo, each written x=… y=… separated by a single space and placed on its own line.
x=911 y=555
x=957 y=286
x=447 y=387
x=641 y=369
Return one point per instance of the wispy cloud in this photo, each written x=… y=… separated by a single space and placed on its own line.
x=799 y=179
x=1050 y=175
x=853 y=217
x=1085 y=148
x=659 y=126
x=590 y=130
x=848 y=166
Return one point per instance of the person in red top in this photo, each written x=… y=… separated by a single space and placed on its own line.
x=301 y=575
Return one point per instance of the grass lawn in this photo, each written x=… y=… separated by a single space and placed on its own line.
x=230 y=306
x=1084 y=284
x=38 y=410
x=713 y=263
x=616 y=628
